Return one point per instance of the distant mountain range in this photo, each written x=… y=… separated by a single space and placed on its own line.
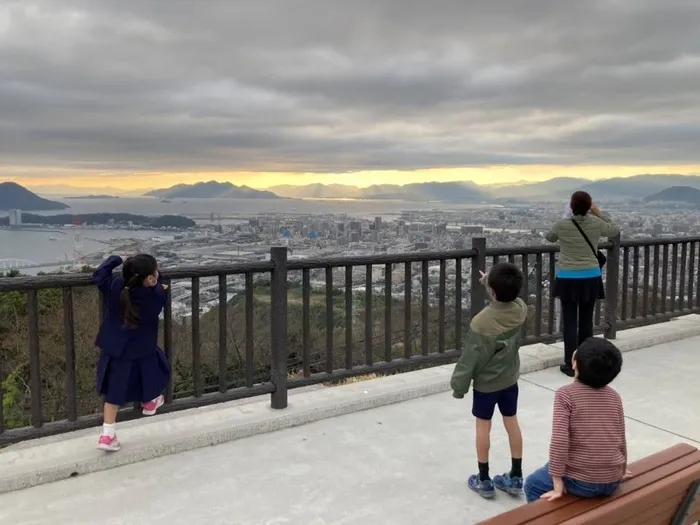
x=318 y=191
x=418 y=192
x=684 y=194
x=630 y=188
x=556 y=188
x=79 y=197
x=65 y=190
x=640 y=186
x=211 y=190
x=636 y=187
x=16 y=197
x=618 y=188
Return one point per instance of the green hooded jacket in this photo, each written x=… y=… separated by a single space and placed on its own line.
x=490 y=356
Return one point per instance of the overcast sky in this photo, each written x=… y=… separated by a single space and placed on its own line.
x=344 y=85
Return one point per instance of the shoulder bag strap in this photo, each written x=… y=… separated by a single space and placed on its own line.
x=588 y=241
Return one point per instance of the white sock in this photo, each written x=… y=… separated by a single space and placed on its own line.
x=109 y=430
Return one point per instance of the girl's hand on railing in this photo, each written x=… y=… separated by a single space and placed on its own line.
x=482 y=279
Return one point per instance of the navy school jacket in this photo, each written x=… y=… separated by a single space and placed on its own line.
x=114 y=339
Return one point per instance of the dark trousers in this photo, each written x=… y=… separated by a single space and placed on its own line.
x=577 y=321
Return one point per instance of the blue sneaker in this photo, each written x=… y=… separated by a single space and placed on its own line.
x=512 y=486
x=482 y=488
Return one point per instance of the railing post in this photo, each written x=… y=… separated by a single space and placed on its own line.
x=278 y=326
x=34 y=357
x=478 y=291
x=612 y=288
x=2 y=415
x=168 y=335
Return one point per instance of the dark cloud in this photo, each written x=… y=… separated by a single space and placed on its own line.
x=336 y=85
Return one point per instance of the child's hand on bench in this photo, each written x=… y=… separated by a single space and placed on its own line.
x=557 y=492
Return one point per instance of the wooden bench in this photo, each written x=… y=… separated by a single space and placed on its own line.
x=664 y=490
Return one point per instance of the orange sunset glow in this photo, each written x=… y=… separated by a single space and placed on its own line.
x=138 y=182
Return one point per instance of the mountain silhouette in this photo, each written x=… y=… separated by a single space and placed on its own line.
x=676 y=194
x=417 y=192
x=16 y=197
x=619 y=188
x=210 y=190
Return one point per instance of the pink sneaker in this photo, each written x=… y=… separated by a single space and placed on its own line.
x=108 y=443
x=150 y=408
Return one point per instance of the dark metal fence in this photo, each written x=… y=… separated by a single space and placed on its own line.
x=376 y=314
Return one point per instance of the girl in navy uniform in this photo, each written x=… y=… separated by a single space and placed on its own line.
x=131 y=367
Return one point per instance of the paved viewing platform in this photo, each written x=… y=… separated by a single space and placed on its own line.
x=391 y=450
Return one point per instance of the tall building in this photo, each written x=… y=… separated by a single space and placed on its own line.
x=377 y=223
x=15 y=217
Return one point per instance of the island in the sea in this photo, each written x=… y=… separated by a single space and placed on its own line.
x=77 y=197
x=106 y=219
x=210 y=190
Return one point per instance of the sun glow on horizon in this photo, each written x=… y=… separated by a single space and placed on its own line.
x=60 y=180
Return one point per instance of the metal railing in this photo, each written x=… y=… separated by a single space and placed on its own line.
x=274 y=325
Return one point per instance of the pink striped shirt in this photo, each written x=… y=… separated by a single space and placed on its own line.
x=588 y=434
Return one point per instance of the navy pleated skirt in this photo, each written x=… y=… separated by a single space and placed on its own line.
x=123 y=381
x=579 y=290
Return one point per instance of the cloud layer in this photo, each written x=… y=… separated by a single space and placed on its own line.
x=338 y=85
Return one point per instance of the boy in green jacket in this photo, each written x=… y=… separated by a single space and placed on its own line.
x=491 y=362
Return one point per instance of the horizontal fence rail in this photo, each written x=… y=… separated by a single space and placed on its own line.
x=243 y=330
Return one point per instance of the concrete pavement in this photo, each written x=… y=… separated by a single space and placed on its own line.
x=403 y=463
x=61 y=457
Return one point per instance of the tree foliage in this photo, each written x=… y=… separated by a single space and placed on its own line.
x=242 y=365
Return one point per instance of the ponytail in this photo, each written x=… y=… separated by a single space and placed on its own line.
x=136 y=269
x=129 y=311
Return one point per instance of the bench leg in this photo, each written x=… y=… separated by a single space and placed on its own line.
x=686 y=504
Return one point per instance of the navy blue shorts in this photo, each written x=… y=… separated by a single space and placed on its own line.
x=485 y=403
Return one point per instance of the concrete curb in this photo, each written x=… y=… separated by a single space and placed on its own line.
x=174 y=445
x=54 y=459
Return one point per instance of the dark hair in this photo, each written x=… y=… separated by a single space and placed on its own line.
x=505 y=280
x=135 y=270
x=598 y=362
x=581 y=203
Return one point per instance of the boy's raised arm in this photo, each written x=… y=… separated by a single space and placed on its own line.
x=102 y=278
x=559 y=446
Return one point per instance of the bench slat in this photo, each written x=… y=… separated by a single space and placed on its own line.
x=658 y=514
x=634 y=502
x=525 y=514
x=658 y=475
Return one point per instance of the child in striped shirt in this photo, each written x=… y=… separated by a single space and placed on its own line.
x=588 y=450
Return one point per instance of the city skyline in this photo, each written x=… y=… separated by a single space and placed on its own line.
x=124 y=94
